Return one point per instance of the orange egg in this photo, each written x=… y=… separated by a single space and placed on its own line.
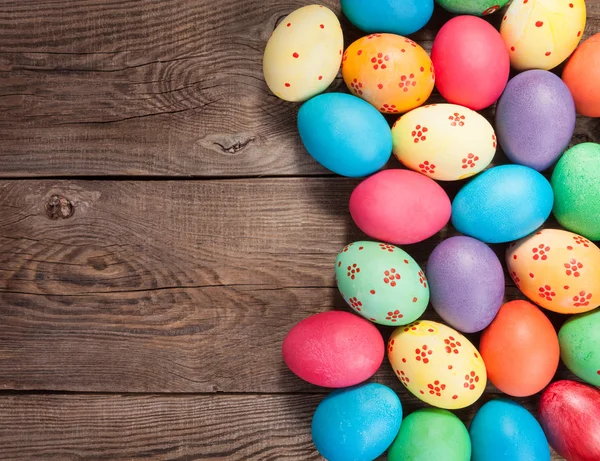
x=582 y=74
x=389 y=71
x=520 y=349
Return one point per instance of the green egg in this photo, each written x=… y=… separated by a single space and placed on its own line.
x=474 y=7
x=431 y=434
x=382 y=283
x=579 y=340
x=576 y=185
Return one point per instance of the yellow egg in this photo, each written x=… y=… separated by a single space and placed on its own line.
x=437 y=364
x=557 y=269
x=540 y=34
x=444 y=141
x=304 y=53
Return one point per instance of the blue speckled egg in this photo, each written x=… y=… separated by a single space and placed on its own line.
x=345 y=134
x=397 y=17
x=357 y=424
x=503 y=204
x=503 y=430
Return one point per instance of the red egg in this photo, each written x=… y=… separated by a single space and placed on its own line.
x=471 y=62
x=333 y=349
x=570 y=415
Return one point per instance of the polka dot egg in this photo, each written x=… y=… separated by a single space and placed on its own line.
x=381 y=282
x=540 y=34
x=391 y=72
x=437 y=364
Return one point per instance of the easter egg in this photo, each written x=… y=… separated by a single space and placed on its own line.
x=581 y=75
x=399 y=206
x=381 y=282
x=520 y=349
x=556 y=269
x=541 y=34
x=431 y=433
x=444 y=141
x=466 y=280
x=535 y=119
x=391 y=72
x=470 y=61
x=503 y=430
x=402 y=18
x=356 y=424
x=576 y=185
x=345 y=134
x=437 y=364
x=473 y=7
x=322 y=349
x=579 y=340
x=304 y=53
x=570 y=415
x=502 y=204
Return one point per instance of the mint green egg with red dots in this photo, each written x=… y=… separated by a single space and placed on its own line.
x=381 y=282
x=474 y=7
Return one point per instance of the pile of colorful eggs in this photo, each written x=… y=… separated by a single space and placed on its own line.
x=556 y=268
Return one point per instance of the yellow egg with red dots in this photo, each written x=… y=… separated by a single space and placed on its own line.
x=437 y=364
x=540 y=34
x=444 y=141
x=557 y=270
x=303 y=55
x=391 y=72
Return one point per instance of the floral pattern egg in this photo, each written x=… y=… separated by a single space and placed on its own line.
x=382 y=283
x=391 y=72
x=540 y=34
x=437 y=364
x=556 y=269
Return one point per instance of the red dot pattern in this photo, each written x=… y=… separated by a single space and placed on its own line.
x=546 y=292
x=573 y=267
x=356 y=86
x=390 y=276
x=469 y=161
x=490 y=10
x=353 y=270
x=452 y=345
x=422 y=279
x=394 y=316
x=418 y=134
x=412 y=326
x=436 y=388
x=379 y=61
x=407 y=82
x=470 y=380
x=540 y=252
x=581 y=241
x=389 y=109
x=391 y=345
x=426 y=167
x=403 y=378
x=386 y=247
x=582 y=300
x=457 y=119
x=423 y=353
x=494 y=144
x=355 y=303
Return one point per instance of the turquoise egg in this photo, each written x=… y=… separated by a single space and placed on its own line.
x=382 y=283
x=345 y=134
x=401 y=18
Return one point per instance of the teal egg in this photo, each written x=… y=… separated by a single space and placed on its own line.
x=382 y=283
x=579 y=340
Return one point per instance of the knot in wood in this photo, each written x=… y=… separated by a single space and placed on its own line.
x=58 y=207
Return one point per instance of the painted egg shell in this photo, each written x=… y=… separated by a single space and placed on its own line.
x=520 y=349
x=381 y=282
x=401 y=18
x=543 y=33
x=356 y=424
x=321 y=349
x=466 y=280
x=389 y=71
x=556 y=269
x=579 y=340
x=304 y=53
x=503 y=430
x=345 y=134
x=471 y=62
x=570 y=415
x=444 y=141
x=581 y=75
x=502 y=204
x=535 y=119
x=399 y=206
x=431 y=434
x=576 y=185
x=474 y=7
x=437 y=364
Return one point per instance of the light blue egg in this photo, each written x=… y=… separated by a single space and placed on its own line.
x=502 y=204
x=357 y=424
x=345 y=134
x=400 y=17
x=503 y=430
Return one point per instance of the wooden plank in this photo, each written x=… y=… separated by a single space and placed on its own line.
x=155 y=88
x=107 y=427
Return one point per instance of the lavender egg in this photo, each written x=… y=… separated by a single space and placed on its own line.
x=466 y=283
x=535 y=119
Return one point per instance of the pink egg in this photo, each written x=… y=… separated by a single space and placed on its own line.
x=471 y=62
x=333 y=349
x=399 y=206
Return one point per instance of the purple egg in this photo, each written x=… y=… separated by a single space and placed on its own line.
x=535 y=119
x=466 y=283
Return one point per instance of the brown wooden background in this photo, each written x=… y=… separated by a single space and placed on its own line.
x=161 y=229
